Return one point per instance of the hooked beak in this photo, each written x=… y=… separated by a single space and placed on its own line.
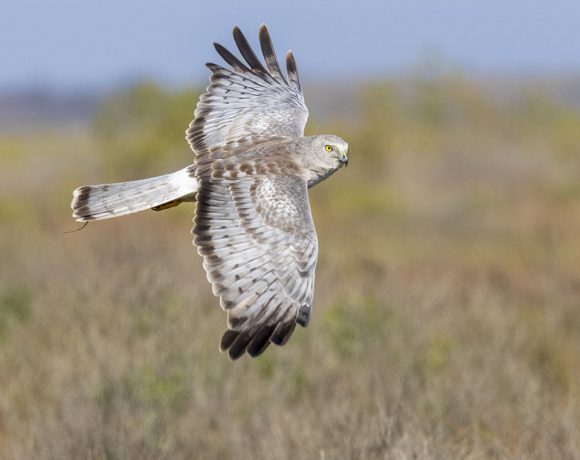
x=344 y=159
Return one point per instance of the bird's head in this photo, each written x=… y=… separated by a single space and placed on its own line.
x=331 y=151
x=321 y=156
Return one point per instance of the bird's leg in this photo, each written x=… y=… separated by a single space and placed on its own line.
x=169 y=204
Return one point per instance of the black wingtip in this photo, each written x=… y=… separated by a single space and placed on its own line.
x=247 y=52
x=292 y=69
x=238 y=36
x=212 y=66
x=282 y=333
x=270 y=54
x=235 y=343
x=230 y=58
x=303 y=317
x=261 y=341
x=263 y=31
x=290 y=61
x=227 y=339
x=239 y=346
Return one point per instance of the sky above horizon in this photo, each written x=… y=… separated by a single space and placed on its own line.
x=68 y=44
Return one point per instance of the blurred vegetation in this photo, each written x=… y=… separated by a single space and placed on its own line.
x=141 y=130
x=447 y=310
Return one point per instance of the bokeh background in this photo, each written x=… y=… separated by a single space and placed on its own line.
x=447 y=311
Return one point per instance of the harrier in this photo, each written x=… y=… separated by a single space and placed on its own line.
x=251 y=171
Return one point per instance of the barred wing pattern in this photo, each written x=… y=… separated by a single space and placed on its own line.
x=250 y=100
x=259 y=245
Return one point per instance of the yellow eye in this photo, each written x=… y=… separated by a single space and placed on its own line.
x=328 y=148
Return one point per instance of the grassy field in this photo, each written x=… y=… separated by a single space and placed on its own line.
x=447 y=310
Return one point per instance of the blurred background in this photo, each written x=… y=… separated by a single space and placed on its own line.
x=447 y=310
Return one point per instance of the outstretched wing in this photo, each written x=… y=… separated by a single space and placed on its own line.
x=250 y=100
x=259 y=245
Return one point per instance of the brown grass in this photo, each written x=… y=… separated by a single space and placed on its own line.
x=447 y=309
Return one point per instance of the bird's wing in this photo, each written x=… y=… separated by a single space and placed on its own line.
x=259 y=245
x=248 y=101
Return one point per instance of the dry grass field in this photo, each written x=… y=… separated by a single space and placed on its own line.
x=447 y=310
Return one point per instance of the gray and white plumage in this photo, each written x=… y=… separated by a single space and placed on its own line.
x=250 y=177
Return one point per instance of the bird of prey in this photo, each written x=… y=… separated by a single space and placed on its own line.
x=252 y=168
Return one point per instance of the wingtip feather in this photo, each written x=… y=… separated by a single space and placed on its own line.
x=247 y=52
x=292 y=69
x=269 y=54
x=282 y=333
x=227 y=339
x=230 y=58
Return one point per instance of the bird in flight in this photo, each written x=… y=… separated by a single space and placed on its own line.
x=252 y=168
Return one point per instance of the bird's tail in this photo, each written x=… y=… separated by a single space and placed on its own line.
x=95 y=202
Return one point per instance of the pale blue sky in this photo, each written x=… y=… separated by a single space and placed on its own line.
x=84 y=44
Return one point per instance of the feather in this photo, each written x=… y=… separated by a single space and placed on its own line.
x=283 y=333
x=270 y=54
x=293 y=79
x=248 y=52
x=238 y=347
x=95 y=202
x=261 y=340
x=303 y=317
x=229 y=58
x=227 y=339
